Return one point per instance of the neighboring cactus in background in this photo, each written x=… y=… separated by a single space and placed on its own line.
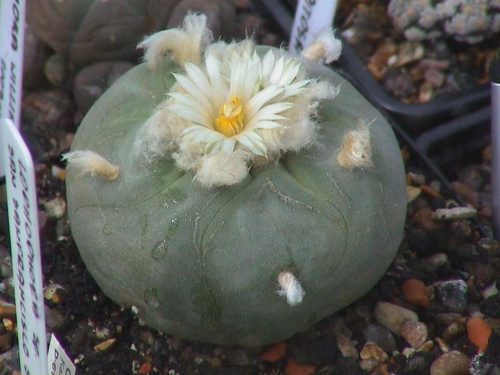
x=231 y=193
x=87 y=31
x=469 y=21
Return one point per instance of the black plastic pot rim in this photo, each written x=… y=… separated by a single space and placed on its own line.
x=414 y=118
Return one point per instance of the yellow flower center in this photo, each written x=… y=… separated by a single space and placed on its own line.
x=230 y=119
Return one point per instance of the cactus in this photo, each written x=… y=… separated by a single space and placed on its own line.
x=469 y=21
x=243 y=238
x=88 y=31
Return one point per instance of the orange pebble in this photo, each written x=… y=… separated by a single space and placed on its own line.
x=415 y=292
x=429 y=191
x=274 y=352
x=479 y=332
x=145 y=368
x=293 y=368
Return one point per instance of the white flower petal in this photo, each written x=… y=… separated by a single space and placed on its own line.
x=253 y=142
x=269 y=112
x=259 y=99
x=267 y=125
x=267 y=64
x=199 y=77
x=188 y=114
x=277 y=71
x=219 y=88
x=193 y=90
x=187 y=104
x=228 y=144
x=197 y=133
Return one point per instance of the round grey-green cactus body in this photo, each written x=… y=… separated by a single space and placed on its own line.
x=203 y=263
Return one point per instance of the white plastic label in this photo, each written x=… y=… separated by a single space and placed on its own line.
x=310 y=17
x=59 y=362
x=25 y=247
x=11 y=62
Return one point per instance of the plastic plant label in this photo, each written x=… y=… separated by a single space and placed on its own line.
x=59 y=362
x=11 y=62
x=25 y=248
x=310 y=17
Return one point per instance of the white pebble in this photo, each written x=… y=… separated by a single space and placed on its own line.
x=454 y=213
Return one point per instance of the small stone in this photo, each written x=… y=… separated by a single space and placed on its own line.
x=451 y=363
x=238 y=357
x=346 y=346
x=412 y=192
x=415 y=333
x=274 y=352
x=425 y=92
x=453 y=295
x=6 y=341
x=490 y=290
x=380 y=335
x=372 y=350
x=491 y=306
x=392 y=316
x=293 y=368
x=368 y=364
x=445 y=348
x=424 y=219
x=53 y=318
x=55 y=208
x=435 y=261
x=453 y=330
x=418 y=364
x=7 y=310
x=434 y=77
x=104 y=345
x=478 y=332
x=56 y=70
x=454 y=213
x=415 y=292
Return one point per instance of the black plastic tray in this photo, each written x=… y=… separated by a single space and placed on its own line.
x=414 y=118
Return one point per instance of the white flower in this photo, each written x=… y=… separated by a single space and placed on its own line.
x=226 y=111
x=236 y=108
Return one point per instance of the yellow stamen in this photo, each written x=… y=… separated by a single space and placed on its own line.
x=230 y=120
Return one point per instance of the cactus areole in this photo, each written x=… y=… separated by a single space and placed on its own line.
x=238 y=219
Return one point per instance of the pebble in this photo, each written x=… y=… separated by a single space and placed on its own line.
x=238 y=357
x=478 y=332
x=274 y=352
x=424 y=219
x=293 y=368
x=454 y=213
x=419 y=363
x=56 y=70
x=435 y=261
x=453 y=330
x=451 y=363
x=415 y=333
x=53 y=318
x=372 y=350
x=415 y=292
x=55 y=208
x=491 y=306
x=346 y=346
x=392 y=316
x=490 y=290
x=380 y=335
x=7 y=310
x=453 y=295
x=368 y=364
x=412 y=192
